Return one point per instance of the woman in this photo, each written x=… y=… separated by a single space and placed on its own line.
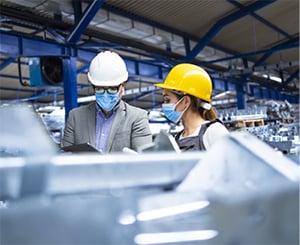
x=187 y=93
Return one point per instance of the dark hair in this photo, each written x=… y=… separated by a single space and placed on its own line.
x=196 y=106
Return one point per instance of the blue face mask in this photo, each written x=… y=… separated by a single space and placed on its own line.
x=170 y=113
x=106 y=100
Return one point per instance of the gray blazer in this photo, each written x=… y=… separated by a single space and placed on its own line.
x=130 y=127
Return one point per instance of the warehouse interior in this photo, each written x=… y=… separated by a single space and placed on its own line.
x=249 y=180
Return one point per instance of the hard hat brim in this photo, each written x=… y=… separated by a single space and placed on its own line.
x=166 y=86
x=108 y=83
x=163 y=85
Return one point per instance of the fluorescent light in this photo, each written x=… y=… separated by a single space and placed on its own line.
x=170 y=211
x=221 y=94
x=172 y=237
x=86 y=99
x=127 y=219
x=275 y=78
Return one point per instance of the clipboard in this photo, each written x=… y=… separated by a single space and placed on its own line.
x=84 y=147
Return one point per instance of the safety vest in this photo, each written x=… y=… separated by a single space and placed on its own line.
x=194 y=143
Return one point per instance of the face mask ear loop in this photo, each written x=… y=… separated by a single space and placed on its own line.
x=178 y=102
x=121 y=89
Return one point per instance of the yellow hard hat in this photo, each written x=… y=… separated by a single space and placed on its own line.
x=189 y=79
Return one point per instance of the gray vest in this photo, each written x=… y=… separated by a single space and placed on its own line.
x=194 y=143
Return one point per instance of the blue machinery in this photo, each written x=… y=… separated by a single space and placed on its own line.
x=239 y=192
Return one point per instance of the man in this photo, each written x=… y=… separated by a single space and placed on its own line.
x=109 y=124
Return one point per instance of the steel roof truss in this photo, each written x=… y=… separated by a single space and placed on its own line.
x=222 y=23
x=84 y=21
x=262 y=20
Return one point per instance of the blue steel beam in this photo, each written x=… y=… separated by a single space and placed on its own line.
x=23 y=90
x=243 y=79
x=6 y=63
x=103 y=45
x=263 y=59
x=260 y=92
x=287 y=81
x=16 y=45
x=222 y=23
x=20 y=46
x=58 y=38
x=240 y=95
x=70 y=84
x=9 y=61
x=294 y=75
x=186 y=37
x=13 y=77
x=267 y=55
x=77 y=10
x=82 y=69
x=84 y=21
x=35 y=97
x=263 y=51
x=262 y=20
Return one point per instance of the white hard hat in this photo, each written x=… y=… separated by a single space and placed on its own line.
x=107 y=69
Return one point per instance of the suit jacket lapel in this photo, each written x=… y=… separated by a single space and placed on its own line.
x=91 y=122
x=116 y=124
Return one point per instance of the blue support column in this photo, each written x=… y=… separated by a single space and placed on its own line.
x=240 y=96
x=77 y=10
x=70 y=84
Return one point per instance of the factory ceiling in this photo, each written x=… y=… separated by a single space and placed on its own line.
x=247 y=46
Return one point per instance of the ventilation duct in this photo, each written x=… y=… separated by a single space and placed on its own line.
x=46 y=71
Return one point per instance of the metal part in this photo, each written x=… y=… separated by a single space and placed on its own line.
x=250 y=196
x=22 y=134
x=265 y=216
x=72 y=173
x=241 y=191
